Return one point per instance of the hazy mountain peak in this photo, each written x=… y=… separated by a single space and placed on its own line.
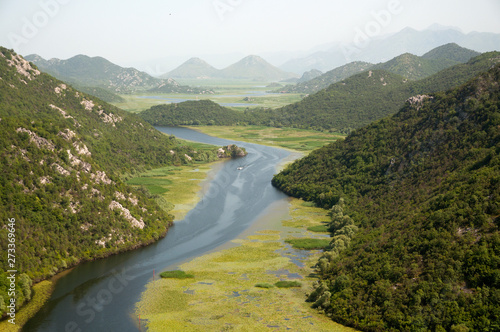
x=252 y=60
x=440 y=27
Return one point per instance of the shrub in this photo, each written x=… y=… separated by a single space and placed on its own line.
x=287 y=284
x=176 y=274
x=264 y=285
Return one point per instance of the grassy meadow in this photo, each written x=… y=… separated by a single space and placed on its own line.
x=288 y=138
x=178 y=186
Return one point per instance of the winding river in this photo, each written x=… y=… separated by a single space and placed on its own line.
x=101 y=295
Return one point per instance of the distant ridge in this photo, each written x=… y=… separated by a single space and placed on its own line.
x=85 y=71
x=252 y=68
x=408 y=65
x=194 y=68
x=407 y=40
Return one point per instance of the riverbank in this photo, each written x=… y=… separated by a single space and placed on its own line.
x=183 y=188
x=223 y=294
x=180 y=187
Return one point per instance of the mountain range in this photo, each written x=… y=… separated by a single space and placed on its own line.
x=383 y=48
x=252 y=67
x=342 y=107
x=97 y=72
x=407 y=65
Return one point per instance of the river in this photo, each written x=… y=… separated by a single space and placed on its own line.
x=101 y=295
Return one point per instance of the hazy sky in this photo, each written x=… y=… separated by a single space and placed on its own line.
x=129 y=32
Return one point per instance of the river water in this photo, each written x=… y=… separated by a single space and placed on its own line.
x=101 y=295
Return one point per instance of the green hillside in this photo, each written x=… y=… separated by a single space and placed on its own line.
x=323 y=81
x=451 y=52
x=415 y=215
x=414 y=67
x=63 y=155
x=101 y=93
x=363 y=98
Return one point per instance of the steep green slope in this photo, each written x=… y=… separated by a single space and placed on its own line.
x=415 y=217
x=414 y=67
x=101 y=93
x=61 y=156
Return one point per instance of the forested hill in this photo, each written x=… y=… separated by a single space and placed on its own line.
x=415 y=216
x=191 y=112
x=61 y=156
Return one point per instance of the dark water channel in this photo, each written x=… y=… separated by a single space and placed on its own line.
x=101 y=295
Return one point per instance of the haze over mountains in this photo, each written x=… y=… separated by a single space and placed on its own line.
x=98 y=72
x=85 y=71
x=408 y=65
x=252 y=67
x=383 y=48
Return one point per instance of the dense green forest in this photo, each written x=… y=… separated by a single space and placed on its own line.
x=63 y=155
x=415 y=215
x=342 y=107
x=191 y=112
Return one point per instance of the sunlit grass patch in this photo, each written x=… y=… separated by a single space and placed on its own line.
x=264 y=237
x=308 y=244
x=160 y=297
x=318 y=229
x=176 y=185
x=288 y=138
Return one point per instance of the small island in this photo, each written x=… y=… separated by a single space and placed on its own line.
x=231 y=151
